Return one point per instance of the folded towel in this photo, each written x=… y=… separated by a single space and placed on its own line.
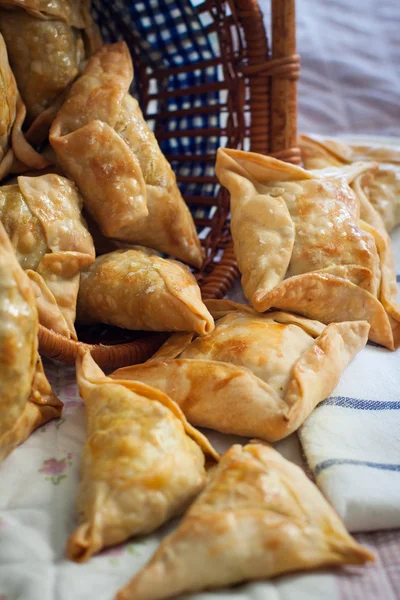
x=352 y=440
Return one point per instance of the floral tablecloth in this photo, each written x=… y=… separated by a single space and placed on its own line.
x=38 y=485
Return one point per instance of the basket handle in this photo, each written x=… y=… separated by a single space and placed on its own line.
x=283 y=89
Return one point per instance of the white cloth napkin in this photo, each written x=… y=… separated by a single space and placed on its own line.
x=352 y=440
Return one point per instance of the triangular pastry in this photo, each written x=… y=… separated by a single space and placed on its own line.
x=104 y=144
x=256 y=375
x=137 y=289
x=259 y=517
x=301 y=245
x=142 y=462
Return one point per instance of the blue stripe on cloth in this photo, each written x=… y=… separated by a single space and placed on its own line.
x=331 y=462
x=374 y=345
x=357 y=404
x=398 y=278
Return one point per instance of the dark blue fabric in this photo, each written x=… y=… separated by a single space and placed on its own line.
x=359 y=404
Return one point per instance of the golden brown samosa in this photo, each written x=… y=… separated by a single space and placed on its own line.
x=142 y=462
x=104 y=144
x=15 y=152
x=45 y=44
x=255 y=374
x=137 y=289
x=259 y=517
x=42 y=216
x=301 y=245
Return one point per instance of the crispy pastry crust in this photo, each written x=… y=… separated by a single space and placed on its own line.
x=301 y=245
x=382 y=191
x=26 y=398
x=42 y=216
x=254 y=375
x=135 y=289
x=141 y=465
x=259 y=516
x=104 y=144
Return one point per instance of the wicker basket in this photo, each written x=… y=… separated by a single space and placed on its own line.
x=205 y=77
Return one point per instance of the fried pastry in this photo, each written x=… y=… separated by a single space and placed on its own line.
x=26 y=398
x=301 y=245
x=255 y=374
x=104 y=144
x=46 y=36
x=382 y=190
x=8 y=100
x=259 y=517
x=42 y=216
x=15 y=151
x=137 y=289
x=142 y=462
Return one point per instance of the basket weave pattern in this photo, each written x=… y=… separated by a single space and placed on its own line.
x=205 y=77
